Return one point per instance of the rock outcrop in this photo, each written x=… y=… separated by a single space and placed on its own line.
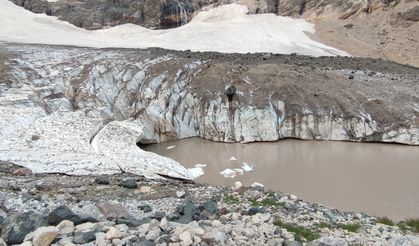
x=81 y=110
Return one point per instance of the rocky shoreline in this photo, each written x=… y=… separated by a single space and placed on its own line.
x=126 y=209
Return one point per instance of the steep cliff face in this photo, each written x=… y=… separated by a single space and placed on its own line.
x=80 y=110
x=95 y=14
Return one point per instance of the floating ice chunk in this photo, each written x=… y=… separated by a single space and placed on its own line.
x=228 y=173
x=246 y=167
x=201 y=165
x=233 y=158
x=196 y=172
x=256 y=184
x=237 y=185
x=171 y=147
x=238 y=171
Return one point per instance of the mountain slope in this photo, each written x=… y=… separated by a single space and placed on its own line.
x=223 y=29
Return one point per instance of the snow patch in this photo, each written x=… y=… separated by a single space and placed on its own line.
x=222 y=29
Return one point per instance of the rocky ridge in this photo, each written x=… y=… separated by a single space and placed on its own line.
x=101 y=210
x=80 y=110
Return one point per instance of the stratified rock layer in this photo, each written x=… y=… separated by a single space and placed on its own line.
x=80 y=110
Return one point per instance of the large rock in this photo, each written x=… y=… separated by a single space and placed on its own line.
x=84 y=233
x=84 y=237
x=329 y=241
x=113 y=211
x=128 y=183
x=65 y=227
x=3 y=217
x=188 y=212
x=404 y=240
x=44 y=236
x=64 y=213
x=17 y=226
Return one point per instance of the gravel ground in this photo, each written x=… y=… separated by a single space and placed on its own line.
x=125 y=209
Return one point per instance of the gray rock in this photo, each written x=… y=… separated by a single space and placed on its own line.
x=271 y=242
x=144 y=242
x=291 y=243
x=113 y=211
x=17 y=226
x=186 y=238
x=164 y=224
x=158 y=215
x=145 y=208
x=64 y=213
x=219 y=236
x=103 y=180
x=2 y=242
x=132 y=222
x=210 y=206
x=81 y=237
x=256 y=210
x=2 y=219
x=404 y=241
x=153 y=234
x=180 y=194
x=329 y=241
x=187 y=212
x=332 y=217
x=128 y=183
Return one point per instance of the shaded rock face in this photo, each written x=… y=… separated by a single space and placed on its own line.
x=118 y=98
x=96 y=14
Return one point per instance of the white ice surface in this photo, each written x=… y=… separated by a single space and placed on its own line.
x=224 y=29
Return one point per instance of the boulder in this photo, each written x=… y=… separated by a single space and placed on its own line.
x=113 y=211
x=22 y=172
x=188 y=212
x=84 y=233
x=44 y=236
x=113 y=233
x=84 y=237
x=64 y=213
x=329 y=241
x=17 y=226
x=128 y=183
x=65 y=227
x=103 y=180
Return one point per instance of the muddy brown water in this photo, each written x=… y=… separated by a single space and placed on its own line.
x=379 y=179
